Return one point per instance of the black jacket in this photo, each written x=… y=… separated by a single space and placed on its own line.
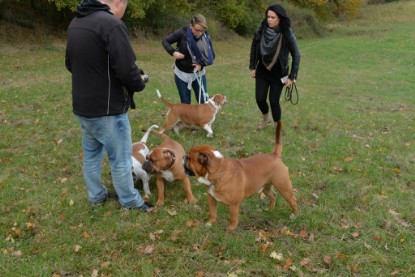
x=179 y=37
x=289 y=46
x=102 y=62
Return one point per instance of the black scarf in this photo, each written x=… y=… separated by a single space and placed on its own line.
x=270 y=46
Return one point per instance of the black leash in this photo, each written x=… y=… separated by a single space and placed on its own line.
x=289 y=94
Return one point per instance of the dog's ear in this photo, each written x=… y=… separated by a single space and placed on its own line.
x=203 y=159
x=168 y=153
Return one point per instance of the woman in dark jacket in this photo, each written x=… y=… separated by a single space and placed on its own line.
x=193 y=52
x=269 y=58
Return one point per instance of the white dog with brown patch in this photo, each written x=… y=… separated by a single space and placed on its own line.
x=192 y=115
x=140 y=151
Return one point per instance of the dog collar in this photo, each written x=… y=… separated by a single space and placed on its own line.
x=172 y=162
x=213 y=103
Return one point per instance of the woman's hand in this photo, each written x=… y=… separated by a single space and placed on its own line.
x=177 y=55
x=288 y=83
x=197 y=67
x=253 y=73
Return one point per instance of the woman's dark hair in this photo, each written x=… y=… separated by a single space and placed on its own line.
x=285 y=22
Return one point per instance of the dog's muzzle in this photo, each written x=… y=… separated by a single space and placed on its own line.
x=187 y=170
x=148 y=167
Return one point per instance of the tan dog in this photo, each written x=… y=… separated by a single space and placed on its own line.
x=165 y=161
x=140 y=151
x=230 y=181
x=192 y=116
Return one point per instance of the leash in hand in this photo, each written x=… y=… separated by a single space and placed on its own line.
x=201 y=87
x=289 y=94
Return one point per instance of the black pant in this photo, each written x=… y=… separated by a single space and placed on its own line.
x=263 y=88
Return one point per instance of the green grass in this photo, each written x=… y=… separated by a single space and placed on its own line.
x=349 y=144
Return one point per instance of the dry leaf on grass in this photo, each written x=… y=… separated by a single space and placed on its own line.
x=327 y=260
x=305 y=261
x=147 y=249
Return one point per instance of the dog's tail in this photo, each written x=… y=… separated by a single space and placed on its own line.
x=164 y=100
x=278 y=139
x=160 y=135
x=145 y=137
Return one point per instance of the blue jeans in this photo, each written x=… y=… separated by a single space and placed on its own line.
x=110 y=134
x=185 y=93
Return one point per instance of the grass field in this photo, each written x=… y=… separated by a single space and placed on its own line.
x=349 y=144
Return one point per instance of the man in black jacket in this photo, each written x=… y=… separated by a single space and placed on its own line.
x=104 y=77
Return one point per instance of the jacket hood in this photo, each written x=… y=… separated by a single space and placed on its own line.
x=282 y=14
x=86 y=7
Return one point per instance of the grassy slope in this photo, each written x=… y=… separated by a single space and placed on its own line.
x=349 y=144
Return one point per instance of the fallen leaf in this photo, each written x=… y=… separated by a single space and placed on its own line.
x=17 y=253
x=62 y=217
x=395 y=272
x=348 y=159
x=303 y=233
x=311 y=238
x=77 y=248
x=341 y=255
x=105 y=265
x=327 y=260
x=276 y=256
x=288 y=263
x=405 y=224
x=286 y=231
x=383 y=196
x=355 y=234
x=191 y=223
x=353 y=267
x=172 y=212
x=377 y=237
x=305 y=261
x=85 y=234
x=148 y=249
x=397 y=170
x=264 y=247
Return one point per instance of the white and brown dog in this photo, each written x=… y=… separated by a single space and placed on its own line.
x=165 y=161
x=230 y=181
x=140 y=151
x=192 y=115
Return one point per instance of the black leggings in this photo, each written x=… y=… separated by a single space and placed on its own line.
x=261 y=93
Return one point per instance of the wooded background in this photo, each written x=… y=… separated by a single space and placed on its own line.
x=158 y=17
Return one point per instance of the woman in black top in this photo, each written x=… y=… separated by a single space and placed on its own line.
x=269 y=58
x=193 y=53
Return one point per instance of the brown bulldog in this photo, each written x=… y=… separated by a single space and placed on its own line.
x=192 y=115
x=165 y=161
x=230 y=181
